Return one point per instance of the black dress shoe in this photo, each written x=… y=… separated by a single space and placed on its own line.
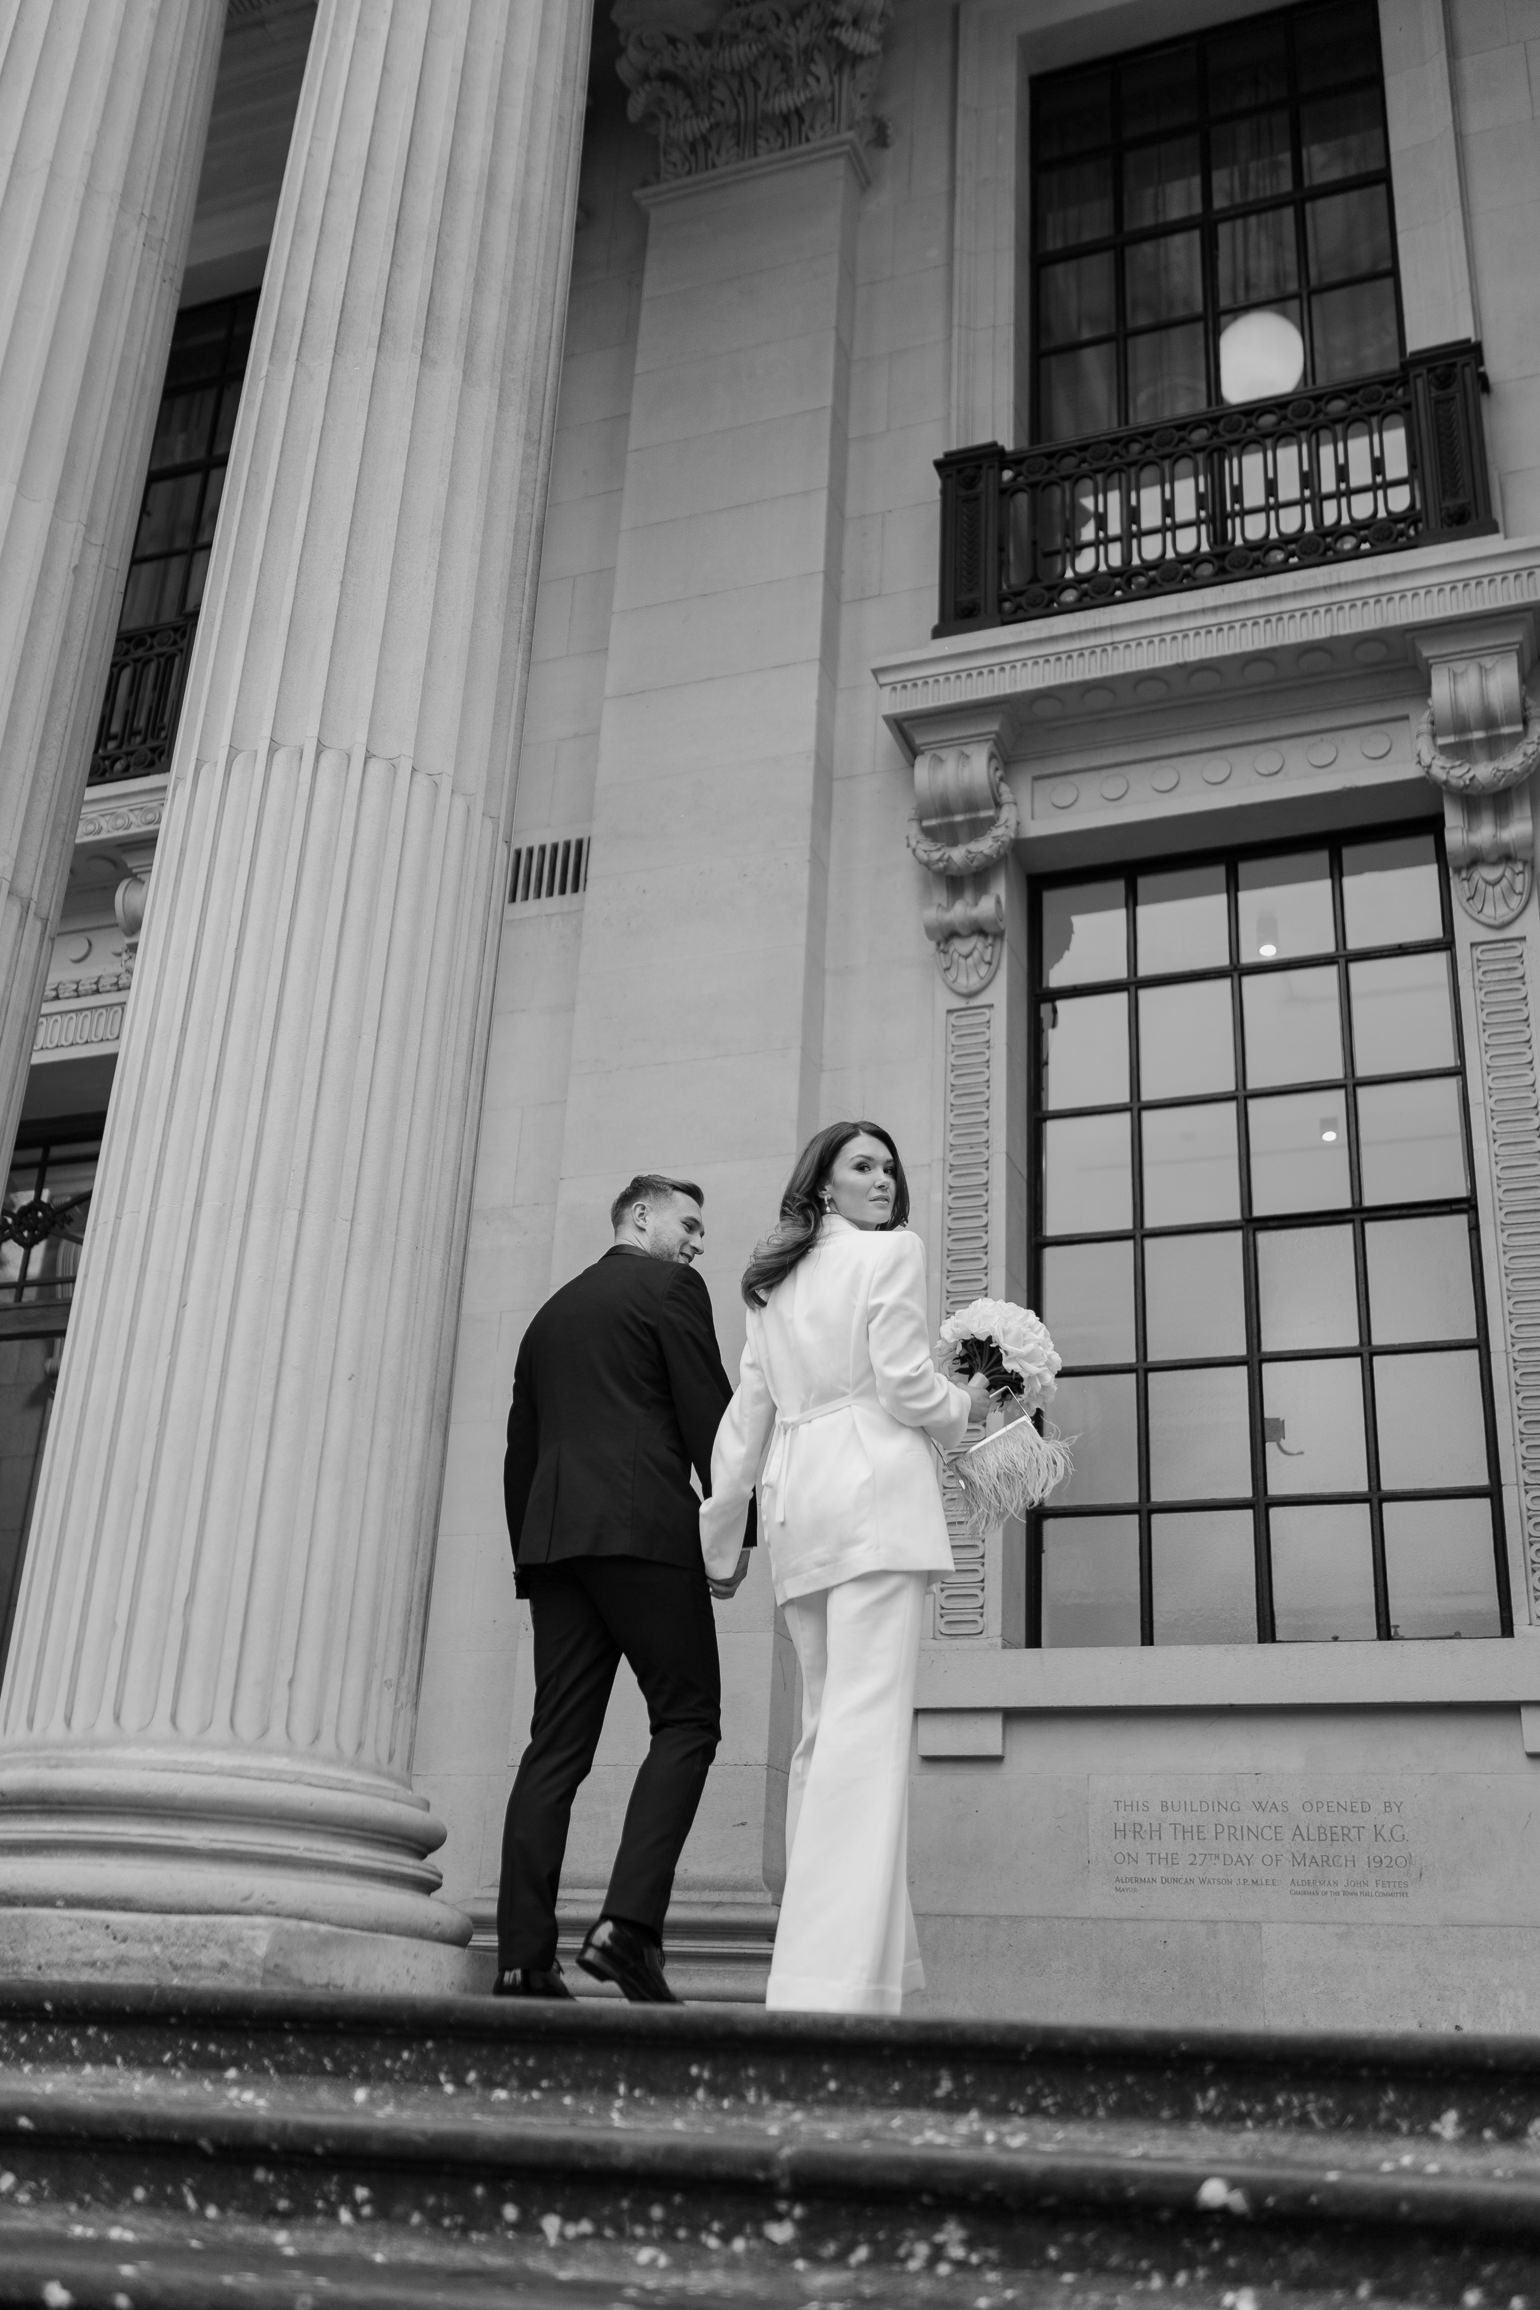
x=616 y=1951
x=531 y=1981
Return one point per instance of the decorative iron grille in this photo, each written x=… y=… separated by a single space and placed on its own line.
x=1319 y=476
x=143 y=699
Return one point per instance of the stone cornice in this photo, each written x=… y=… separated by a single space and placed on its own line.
x=848 y=145
x=131 y=807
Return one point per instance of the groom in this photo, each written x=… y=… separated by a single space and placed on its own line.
x=617 y=1392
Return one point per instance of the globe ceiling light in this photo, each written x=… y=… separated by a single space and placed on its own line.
x=1259 y=355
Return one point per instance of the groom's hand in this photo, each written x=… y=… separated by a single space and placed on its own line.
x=734 y=1581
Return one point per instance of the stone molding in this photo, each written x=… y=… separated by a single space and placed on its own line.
x=961 y=1600
x=964 y=823
x=110 y=821
x=770 y=77
x=93 y=1026
x=1505 y=1029
x=1479 y=742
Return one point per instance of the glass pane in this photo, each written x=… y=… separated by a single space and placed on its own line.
x=1252 y=159
x=1085 y=934
x=1161 y=91
x=229 y=410
x=1337 y=43
x=1440 y=1568
x=1390 y=893
x=1420 y=1279
x=1085 y=1051
x=1203 y=1577
x=198 y=344
x=182 y=427
x=1100 y=1415
x=1347 y=234
x=170 y=514
x=1190 y=1170
x=1200 y=1441
x=1075 y=300
x=1403 y=1014
x=1293 y=1026
x=1194 y=1296
x=1079 y=393
x=1163 y=280
x=1356 y=333
x=1342 y=136
x=1182 y=922
x=1409 y=1148
x=1323 y=1574
x=1088 y=1190
x=1186 y=1040
x=1306 y=1291
x=1074 y=203
x=1079 y=115
x=1090 y=1580
x=1313 y=1427
x=1258 y=259
x=1088 y=1301
x=197 y=573
x=154 y=591
x=1299 y=1155
x=1285 y=907
x=210 y=512
x=1161 y=182
x=1167 y=374
x=1247 y=66
x=1428 y=1411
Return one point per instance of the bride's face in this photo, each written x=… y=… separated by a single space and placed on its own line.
x=860 y=1184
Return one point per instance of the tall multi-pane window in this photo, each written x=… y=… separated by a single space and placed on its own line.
x=1212 y=222
x=1258 y=1255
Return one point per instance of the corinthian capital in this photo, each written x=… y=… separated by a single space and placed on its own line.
x=723 y=84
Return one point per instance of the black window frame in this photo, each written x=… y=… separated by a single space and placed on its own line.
x=223 y=372
x=41 y=1137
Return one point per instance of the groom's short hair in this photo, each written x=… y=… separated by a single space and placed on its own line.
x=651 y=1187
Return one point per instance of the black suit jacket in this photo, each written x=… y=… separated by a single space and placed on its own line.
x=618 y=1391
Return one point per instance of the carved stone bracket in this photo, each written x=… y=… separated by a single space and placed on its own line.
x=767 y=76
x=1480 y=743
x=964 y=823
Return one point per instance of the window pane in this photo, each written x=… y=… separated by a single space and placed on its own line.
x=1161 y=91
x=1075 y=300
x=1181 y=920
x=1403 y=1014
x=1163 y=280
x=1074 y=203
x=1409 y=1148
x=1085 y=1051
x=1323 y=1574
x=1390 y=893
x=183 y=426
x=1285 y=907
x=1079 y=393
x=170 y=514
x=1203 y=1577
x=1293 y=1026
x=1299 y=1154
x=1356 y=333
x=1167 y=374
x=229 y=410
x=1099 y=1414
x=1247 y=66
x=1347 y=234
x=1420 y=1279
x=1337 y=43
x=1258 y=260
x=1194 y=1297
x=1090 y=1580
x=154 y=592
x=1088 y=1189
x=1200 y=1442
x=1088 y=1301
x=1079 y=116
x=1342 y=135
x=1252 y=159
x=1313 y=1423
x=1162 y=182
x=1186 y=1040
x=1190 y=1170
x=1085 y=934
x=1306 y=1291
x=1439 y=1568
x=1428 y=1411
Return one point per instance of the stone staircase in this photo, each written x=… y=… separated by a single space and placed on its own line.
x=178 y=2150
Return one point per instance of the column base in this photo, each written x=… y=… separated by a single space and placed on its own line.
x=231 y=1953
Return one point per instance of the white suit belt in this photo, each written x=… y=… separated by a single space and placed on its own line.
x=778 y=1458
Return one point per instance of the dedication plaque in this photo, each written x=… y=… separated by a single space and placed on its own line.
x=1258 y=1845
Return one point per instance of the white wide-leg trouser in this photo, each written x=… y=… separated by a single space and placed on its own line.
x=846 y=1941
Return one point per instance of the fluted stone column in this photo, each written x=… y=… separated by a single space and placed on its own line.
x=210 y=1702
x=104 y=107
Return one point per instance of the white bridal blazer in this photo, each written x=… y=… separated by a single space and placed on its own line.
x=836 y=1395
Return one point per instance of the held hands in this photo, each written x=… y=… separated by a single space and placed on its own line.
x=978 y=1397
x=723 y=1589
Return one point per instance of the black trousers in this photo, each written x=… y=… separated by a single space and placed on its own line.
x=589 y=1614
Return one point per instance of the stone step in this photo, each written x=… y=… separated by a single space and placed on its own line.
x=722 y=2155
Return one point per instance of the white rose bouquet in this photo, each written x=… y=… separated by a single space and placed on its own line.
x=1016 y=1465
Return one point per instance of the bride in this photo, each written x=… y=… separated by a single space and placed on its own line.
x=836 y=1396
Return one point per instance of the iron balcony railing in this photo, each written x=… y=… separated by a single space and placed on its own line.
x=1314 y=477
x=143 y=699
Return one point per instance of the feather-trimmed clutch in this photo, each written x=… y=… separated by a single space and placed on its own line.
x=1016 y=1465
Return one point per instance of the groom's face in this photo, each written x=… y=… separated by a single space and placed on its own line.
x=675 y=1230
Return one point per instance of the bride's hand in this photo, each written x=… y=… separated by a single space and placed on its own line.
x=978 y=1396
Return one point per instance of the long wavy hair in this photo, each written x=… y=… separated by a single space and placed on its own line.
x=802 y=1209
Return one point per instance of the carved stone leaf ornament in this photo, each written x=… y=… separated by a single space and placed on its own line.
x=957 y=788
x=769 y=78
x=1479 y=741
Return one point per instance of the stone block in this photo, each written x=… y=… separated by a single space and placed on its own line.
x=1492 y=90
x=580 y=534
x=703 y=554
x=1374 y=1977
x=680 y=1113
x=1477 y=27
x=1057 y=1970
x=906 y=309
x=722 y=391
x=742 y=630
x=565 y=698
x=1502 y=173
x=752 y=223
x=595 y=384
x=667 y=480
x=753 y=307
